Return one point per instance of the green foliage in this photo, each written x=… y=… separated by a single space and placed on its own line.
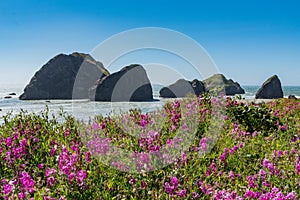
x=253 y=117
x=250 y=135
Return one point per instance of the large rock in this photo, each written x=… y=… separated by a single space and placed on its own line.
x=271 y=89
x=129 y=84
x=182 y=88
x=56 y=79
x=218 y=84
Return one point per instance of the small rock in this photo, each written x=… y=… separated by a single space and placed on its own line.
x=292 y=97
x=7 y=97
x=12 y=94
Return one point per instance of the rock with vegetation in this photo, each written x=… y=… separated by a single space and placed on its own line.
x=131 y=83
x=182 y=88
x=56 y=79
x=218 y=84
x=271 y=89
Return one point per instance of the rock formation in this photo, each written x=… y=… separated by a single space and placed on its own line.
x=129 y=84
x=182 y=88
x=58 y=77
x=218 y=84
x=271 y=89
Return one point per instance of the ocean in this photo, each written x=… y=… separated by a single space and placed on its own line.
x=85 y=109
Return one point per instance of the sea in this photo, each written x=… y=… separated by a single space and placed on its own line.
x=86 y=110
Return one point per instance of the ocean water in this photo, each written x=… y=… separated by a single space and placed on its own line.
x=250 y=91
x=85 y=109
x=81 y=109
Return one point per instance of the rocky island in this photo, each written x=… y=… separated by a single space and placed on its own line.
x=182 y=88
x=271 y=89
x=129 y=84
x=55 y=80
x=216 y=84
x=219 y=84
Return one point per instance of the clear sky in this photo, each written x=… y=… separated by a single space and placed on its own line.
x=248 y=40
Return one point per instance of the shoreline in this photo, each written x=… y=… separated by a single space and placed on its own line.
x=85 y=110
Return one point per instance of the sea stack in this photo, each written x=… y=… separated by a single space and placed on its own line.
x=219 y=84
x=182 y=88
x=131 y=83
x=56 y=79
x=271 y=89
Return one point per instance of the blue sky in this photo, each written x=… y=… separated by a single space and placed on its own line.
x=248 y=40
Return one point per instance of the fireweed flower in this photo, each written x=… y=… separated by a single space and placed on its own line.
x=224 y=155
x=52 y=152
x=284 y=127
x=99 y=145
x=24 y=143
x=251 y=181
x=9 y=141
x=203 y=144
x=266 y=162
x=280 y=153
x=297 y=165
x=195 y=195
x=132 y=181
x=67 y=133
x=233 y=149
x=81 y=176
x=16 y=136
x=176 y=104
x=71 y=176
x=51 y=181
x=185 y=127
x=7 y=188
x=21 y=195
x=169 y=142
x=27 y=182
x=231 y=175
x=182 y=193
x=173 y=128
x=250 y=194
x=262 y=174
x=50 y=171
x=66 y=169
x=87 y=157
x=169 y=188
x=174 y=181
x=291 y=195
x=143 y=184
